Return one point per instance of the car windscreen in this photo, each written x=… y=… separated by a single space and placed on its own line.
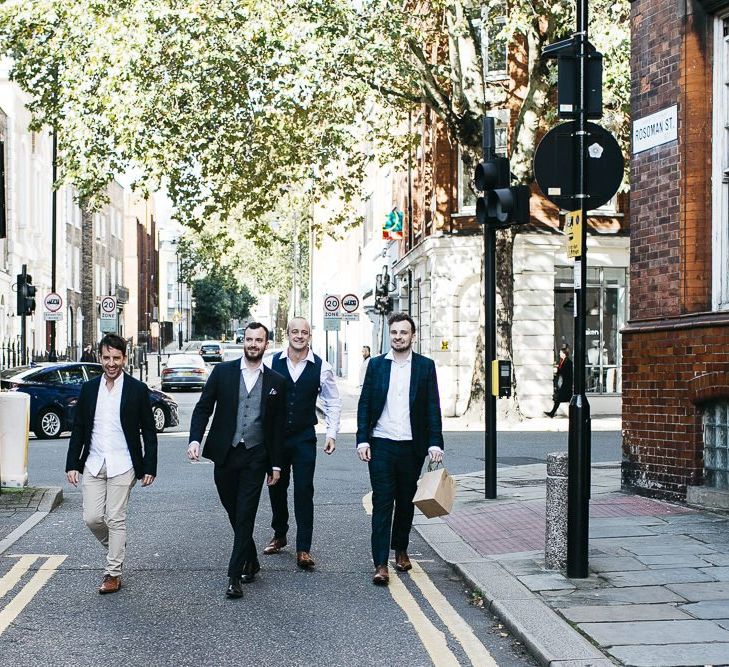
x=184 y=361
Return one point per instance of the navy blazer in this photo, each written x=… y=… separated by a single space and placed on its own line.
x=221 y=394
x=135 y=414
x=425 y=418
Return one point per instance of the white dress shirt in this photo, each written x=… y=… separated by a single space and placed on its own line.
x=331 y=402
x=394 y=422
x=108 y=443
x=250 y=375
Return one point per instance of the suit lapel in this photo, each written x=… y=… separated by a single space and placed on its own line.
x=126 y=388
x=267 y=382
x=236 y=370
x=414 y=371
x=94 y=386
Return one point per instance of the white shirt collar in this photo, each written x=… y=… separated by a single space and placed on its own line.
x=309 y=355
x=119 y=381
x=245 y=369
x=391 y=357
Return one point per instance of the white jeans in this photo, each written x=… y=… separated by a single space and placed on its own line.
x=105 y=513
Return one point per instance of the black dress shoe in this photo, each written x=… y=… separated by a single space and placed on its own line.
x=235 y=590
x=250 y=570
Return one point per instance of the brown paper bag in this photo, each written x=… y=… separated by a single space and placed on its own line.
x=436 y=493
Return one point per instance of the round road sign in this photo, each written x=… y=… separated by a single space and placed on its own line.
x=108 y=304
x=350 y=303
x=53 y=302
x=331 y=303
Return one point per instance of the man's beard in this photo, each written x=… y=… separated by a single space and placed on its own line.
x=251 y=356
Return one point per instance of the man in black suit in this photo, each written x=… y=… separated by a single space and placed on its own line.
x=398 y=425
x=245 y=441
x=105 y=446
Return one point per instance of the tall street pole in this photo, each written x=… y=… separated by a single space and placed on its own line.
x=52 y=356
x=578 y=504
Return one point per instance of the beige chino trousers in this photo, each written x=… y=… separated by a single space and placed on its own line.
x=105 y=513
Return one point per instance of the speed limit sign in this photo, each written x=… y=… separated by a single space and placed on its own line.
x=331 y=303
x=108 y=308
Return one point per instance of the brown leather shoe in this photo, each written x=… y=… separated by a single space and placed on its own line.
x=274 y=546
x=402 y=561
x=110 y=584
x=304 y=560
x=382 y=577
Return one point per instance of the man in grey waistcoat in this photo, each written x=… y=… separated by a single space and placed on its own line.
x=245 y=442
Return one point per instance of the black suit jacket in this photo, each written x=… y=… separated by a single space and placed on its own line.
x=135 y=414
x=221 y=394
x=425 y=418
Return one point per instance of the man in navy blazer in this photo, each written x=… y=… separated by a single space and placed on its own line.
x=106 y=447
x=245 y=442
x=398 y=425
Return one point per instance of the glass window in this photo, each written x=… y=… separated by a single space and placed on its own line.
x=92 y=370
x=46 y=377
x=494 y=47
x=716 y=445
x=606 y=313
x=720 y=162
x=72 y=375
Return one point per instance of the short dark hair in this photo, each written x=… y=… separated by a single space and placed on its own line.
x=366 y=347
x=256 y=325
x=113 y=342
x=401 y=317
x=565 y=348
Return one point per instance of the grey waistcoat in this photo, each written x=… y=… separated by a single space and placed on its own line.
x=249 y=425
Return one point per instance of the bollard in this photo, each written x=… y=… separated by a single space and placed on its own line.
x=555 y=535
x=14 y=426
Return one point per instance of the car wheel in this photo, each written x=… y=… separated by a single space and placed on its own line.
x=160 y=418
x=49 y=424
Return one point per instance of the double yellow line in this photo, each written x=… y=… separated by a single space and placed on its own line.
x=434 y=640
x=8 y=581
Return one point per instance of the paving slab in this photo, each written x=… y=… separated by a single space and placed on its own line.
x=655 y=632
x=708 y=610
x=717 y=558
x=675 y=655
x=439 y=533
x=718 y=573
x=657 y=545
x=549 y=637
x=701 y=592
x=615 y=564
x=675 y=560
x=493 y=581
x=634 y=595
x=623 y=612
x=657 y=577
x=548 y=581
x=620 y=530
x=456 y=552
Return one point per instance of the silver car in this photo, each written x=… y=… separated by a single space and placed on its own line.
x=184 y=370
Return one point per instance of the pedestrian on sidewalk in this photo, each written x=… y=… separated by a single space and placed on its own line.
x=366 y=355
x=244 y=443
x=106 y=448
x=562 y=380
x=398 y=425
x=88 y=354
x=307 y=377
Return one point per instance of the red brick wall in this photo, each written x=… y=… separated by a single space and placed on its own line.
x=674 y=349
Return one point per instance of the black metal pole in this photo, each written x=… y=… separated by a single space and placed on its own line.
x=489 y=290
x=578 y=505
x=52 y=356
x=24 y=351
x=179 y=302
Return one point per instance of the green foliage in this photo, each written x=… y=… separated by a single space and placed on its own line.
x=219 y=299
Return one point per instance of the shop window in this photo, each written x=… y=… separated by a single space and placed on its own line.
x=716 y=445
x=720 y=175
x=606 y=313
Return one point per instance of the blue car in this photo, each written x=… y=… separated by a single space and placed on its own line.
x=54 y=390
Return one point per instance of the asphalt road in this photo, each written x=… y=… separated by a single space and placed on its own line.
x=172 y=609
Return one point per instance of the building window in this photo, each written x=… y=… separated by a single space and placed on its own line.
x=494 y=47
x=720 y=175
x=606 y=313
x=716 y=445
x=466 y=195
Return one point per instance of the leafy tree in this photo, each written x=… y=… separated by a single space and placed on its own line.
x=219 y=299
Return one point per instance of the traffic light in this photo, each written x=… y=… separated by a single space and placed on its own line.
x=501 y=204
x=383 y=302
x=26 y=294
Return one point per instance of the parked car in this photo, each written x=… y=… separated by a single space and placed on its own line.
x=54 y=390
x=240 y=334
x=184 y=370
x=211 y=352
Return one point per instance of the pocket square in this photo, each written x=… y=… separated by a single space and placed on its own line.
x=273 y=392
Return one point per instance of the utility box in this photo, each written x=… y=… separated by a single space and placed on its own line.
x=14 y=427
x=501 y=378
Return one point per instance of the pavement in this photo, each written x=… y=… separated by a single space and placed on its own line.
x=23 y=508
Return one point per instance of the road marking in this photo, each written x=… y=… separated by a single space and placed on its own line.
x=28 y=592
x=475 y=650
x=14 y=575
x=433 y=639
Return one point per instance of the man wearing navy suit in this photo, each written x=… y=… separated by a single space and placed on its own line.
x=245 y=442
x=105 y=446
x=398 y=425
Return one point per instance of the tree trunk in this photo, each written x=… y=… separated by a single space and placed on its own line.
x=88 y=295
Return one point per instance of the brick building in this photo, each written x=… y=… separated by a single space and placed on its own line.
x=676 y=343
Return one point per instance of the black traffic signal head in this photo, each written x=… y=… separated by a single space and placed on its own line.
x=504 y=207
x=492 y=174
x=26 y=294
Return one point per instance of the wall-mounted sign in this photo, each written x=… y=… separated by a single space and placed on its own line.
x=654 y=130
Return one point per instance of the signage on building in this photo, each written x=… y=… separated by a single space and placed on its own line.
x=108 y=315
x=573 y=229
x=654 y=130
x=52 y=304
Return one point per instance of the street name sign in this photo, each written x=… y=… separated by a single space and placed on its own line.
x=654 y=130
